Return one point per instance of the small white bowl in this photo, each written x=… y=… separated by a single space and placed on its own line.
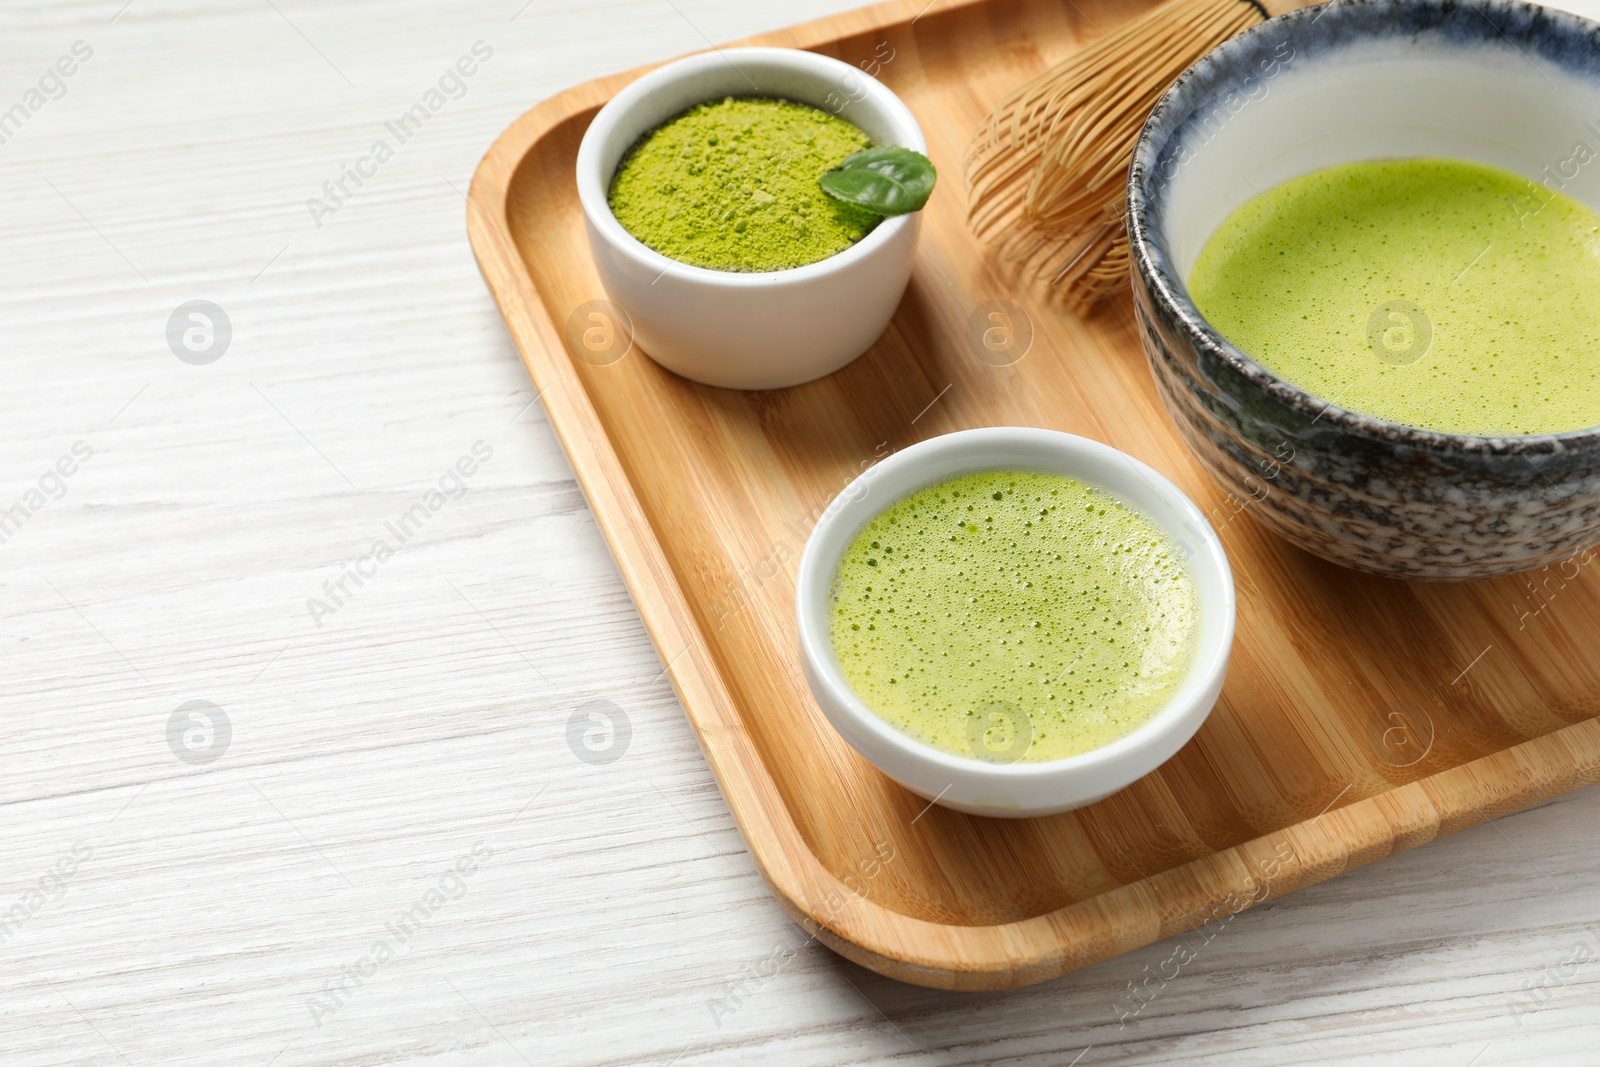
x=758 y=330
x=1016 y=790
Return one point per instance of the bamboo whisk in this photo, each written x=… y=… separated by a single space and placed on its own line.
x=1047 y=168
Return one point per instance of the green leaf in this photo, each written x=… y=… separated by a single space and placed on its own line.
x=888 y=180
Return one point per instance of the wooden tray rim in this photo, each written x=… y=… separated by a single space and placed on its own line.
x=857 y=927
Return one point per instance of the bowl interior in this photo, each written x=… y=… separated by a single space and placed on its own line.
x=1498 y=83
x=806 y=77
x=812 y=79
x=1016 y=448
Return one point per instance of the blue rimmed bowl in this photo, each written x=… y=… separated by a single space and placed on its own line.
x=1497 y=82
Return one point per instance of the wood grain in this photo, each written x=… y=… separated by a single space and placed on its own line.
x=1361 y=716
x=621 y=902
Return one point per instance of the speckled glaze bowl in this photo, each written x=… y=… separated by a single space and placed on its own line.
x=1497 y=82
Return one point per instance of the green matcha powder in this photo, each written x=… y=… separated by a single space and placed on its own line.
x=732 y=185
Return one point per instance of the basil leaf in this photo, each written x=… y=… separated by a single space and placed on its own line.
x=887 y=180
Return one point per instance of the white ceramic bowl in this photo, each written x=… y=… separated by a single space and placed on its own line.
x=749 y=330
x=1018 y=789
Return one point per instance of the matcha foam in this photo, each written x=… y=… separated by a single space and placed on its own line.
x=1028 y=615
x=1432 y=293
x=732 y=185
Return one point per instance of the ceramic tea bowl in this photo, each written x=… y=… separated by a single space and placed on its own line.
x=1002 y=785
x=1496 y=82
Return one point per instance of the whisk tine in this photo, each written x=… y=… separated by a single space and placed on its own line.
x=1046 y=169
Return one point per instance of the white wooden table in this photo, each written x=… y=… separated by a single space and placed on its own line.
x=389 y=851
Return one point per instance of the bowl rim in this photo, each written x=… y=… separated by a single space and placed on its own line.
x=593 y=188
x=1074 y=456
x=1173 y=293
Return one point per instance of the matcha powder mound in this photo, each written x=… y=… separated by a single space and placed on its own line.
x=732 y=185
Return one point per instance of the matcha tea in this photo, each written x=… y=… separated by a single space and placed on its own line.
x=1428 y=292
x=732 y=185
x=1011 y=615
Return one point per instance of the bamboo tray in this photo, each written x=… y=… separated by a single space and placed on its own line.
x=1361 y=716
